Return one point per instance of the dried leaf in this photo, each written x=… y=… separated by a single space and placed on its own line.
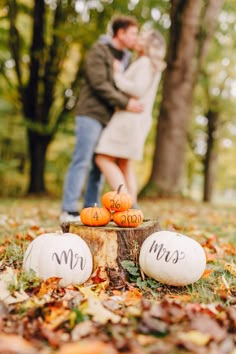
x=7 y=278
x=208 y=325
x=87 y=347
x=132 y=297
x=99 y=276
x=145 y=340
x=2 y=250
x=48 y=286
x=196 y=337
x=230 y=268
x=56 y=317
x=229 y=248
x=206 y=273
x=95 y=308
x=17 y=296
x=82 y=330
x=180 y=297
x=16 y=344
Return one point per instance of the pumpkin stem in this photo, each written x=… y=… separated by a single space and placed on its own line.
x=119 y=188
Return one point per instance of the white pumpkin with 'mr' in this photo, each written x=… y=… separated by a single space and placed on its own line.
x=66 y=256
x=172 y=258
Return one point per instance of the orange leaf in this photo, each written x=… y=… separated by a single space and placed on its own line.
x=14 y=343
x=56 y=317
x=87 y=347
x=99 y=275
x=229 y=248
x=206 y=273
x=230 y=268
x=132 y=297
x=210 y=257
x=48 y=286
x=2 y=249
x=180 y=297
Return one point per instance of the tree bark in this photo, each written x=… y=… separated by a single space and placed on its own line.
x=177 y=97
x=31 y=98
x=185 y=53
x=210 y=159
x=110 y=245
x=38 y=145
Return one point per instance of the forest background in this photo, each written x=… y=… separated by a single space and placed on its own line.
x=191 y=148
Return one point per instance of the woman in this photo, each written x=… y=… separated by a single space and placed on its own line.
x=124 y=137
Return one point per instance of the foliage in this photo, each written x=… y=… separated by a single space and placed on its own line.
x=143 y=316
x=78 y=34
x=42 y=68
x=134 y=272
x=216 y=92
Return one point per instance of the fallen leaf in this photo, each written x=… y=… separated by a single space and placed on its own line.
x=145 y=340
x=210 y=257
x=48 y=286
x=56 y=317
x=206 y=273
x=83 y=329
x=229 y=248
x=95 y=308
x=2 y=250
x=99 y=275
x=196 y=337
x=17 y=296
x=231 y=268
x=16 y=344
x=87 y=347
x=132 y=297
x=209 y=326
x=180 y=297
x=7 y=278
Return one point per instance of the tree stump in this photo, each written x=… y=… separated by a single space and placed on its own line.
x=111 y=244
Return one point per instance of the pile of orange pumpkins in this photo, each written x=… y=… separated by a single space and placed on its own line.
x=116 y=207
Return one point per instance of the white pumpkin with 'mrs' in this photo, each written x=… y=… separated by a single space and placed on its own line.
x=66 y=256
x=172 y=258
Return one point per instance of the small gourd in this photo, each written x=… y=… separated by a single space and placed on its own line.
x=117 y=200
x=172 y=258
x=66 y=256
x=128 y=218
x=95 y=216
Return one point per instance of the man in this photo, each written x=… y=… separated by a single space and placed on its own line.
x=98 y=99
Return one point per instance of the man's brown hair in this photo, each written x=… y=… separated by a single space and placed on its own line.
x=122 y=22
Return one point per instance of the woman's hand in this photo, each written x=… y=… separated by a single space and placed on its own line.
x=117 y=67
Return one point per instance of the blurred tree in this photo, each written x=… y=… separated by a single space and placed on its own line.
x=215 y=99
x=47 y=42
x=192 y=28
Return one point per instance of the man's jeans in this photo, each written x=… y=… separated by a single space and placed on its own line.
x=88 y=131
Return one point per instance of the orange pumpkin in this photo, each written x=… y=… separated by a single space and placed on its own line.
x=95 y=216
x=117 y=200
x=128 y=218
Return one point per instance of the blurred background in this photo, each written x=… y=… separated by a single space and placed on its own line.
x=190 y=151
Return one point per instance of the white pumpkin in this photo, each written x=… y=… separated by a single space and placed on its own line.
x=172 y=258
x=66 y=256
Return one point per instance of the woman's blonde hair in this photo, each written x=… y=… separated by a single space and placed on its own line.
x=154 y=47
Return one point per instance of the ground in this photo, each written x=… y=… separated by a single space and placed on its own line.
x=145 y=316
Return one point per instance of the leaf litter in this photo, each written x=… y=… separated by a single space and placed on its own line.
x=144 y=316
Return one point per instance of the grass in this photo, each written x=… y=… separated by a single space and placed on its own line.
x=212 y=225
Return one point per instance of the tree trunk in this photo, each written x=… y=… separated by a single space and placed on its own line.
x=110 y=245
x=185 y=54
x=211 y=156
x=38 y=145
x=177 y=97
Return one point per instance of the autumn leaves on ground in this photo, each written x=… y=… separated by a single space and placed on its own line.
x=145 y=316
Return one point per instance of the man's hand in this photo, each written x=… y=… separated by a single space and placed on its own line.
x=134 y=106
